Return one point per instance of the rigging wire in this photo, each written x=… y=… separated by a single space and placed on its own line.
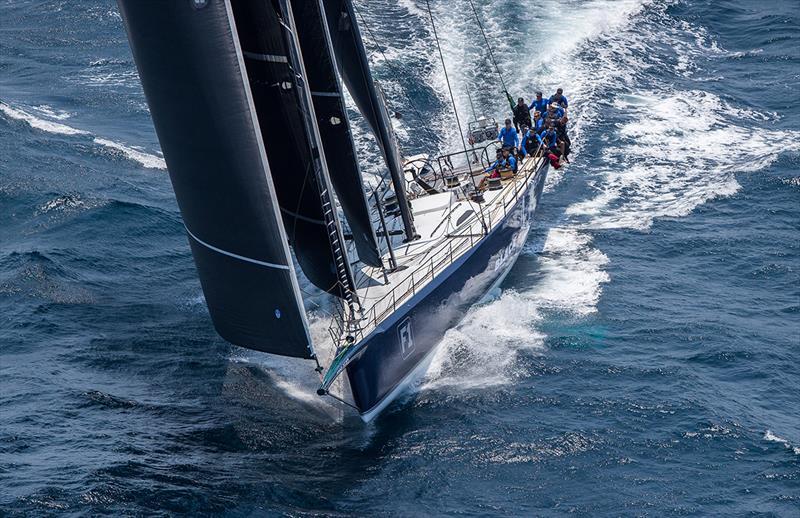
x=491 y=54
x=396 y=72
x=455 y=109
x=446 y=77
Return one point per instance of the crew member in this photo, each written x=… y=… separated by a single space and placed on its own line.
x=563 y=139
x=499 y=163
x=554 y=112
x=522 y=115
x=559 y=98
x=510 y=161
x=548 y=138
x=540 y=104
x=508 y=136
x=538 y=122
x=527 y=134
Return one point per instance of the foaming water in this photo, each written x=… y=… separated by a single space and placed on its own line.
x=674 y=152
x=649 y=324
x=134 y=153
x=486 y=349
x=771 y=437
x=38 y=123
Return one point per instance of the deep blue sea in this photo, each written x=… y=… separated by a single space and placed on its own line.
x=642 y=359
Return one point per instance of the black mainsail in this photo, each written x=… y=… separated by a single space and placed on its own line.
x=352 y=60
x=196 y=85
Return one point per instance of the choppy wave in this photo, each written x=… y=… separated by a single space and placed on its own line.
x=39 y=123
x=676 y=151
x=133 y=153
x=71 y=202
x=771 y=437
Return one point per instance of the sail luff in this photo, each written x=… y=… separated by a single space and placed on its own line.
x=354 y=65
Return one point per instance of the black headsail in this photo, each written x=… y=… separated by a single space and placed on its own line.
x=195 y=82
x=334 y=127
x=352 y=60
x=276 y=74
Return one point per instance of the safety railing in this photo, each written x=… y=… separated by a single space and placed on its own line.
x=476 y=160
x=443 y=256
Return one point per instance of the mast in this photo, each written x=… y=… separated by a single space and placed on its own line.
x=333 y=123
x=332 y=224
x=352 y=60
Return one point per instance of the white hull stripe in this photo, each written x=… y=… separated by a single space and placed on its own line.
x=235 y=256
x=271 y=58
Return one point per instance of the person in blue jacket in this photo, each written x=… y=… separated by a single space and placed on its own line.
x=508 y=136
x=527 y=135
x=539 y=104
x=548 y=138
x=538 y=122
x=554 y=112
x=560 y=99
x=499 y=162
x=510 y=161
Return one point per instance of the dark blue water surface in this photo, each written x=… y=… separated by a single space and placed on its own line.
x=642 y=358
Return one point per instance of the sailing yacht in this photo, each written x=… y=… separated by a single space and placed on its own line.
x=247 y=99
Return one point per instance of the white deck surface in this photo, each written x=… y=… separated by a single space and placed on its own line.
x=449 y=225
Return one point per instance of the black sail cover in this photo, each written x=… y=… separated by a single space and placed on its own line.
x=334 y=127
x=192 y=72
x=265 y=42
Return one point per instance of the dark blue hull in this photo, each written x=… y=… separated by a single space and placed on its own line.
x=405 y=340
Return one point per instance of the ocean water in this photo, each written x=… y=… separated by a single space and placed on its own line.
x=641 y=359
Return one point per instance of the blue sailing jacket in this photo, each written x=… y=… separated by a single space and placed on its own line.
x=563 y=102
x=539 y=106
x=524 y=143
x=549 y=136
x=512 y=163
x=509 y=137
x=500 y=162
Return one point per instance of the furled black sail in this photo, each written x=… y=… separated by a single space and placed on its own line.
x=193 y=76
x=334 y=126
x=352 y=60
x=267 y=45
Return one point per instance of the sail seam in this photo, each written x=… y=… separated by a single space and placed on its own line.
x=235 y=256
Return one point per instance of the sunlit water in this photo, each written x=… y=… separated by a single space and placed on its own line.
x=641 y=358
